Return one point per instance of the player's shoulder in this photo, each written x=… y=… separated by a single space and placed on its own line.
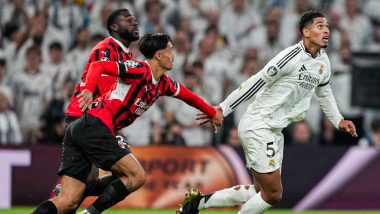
x=291 y=50
x=287 y=55
x=105 y=43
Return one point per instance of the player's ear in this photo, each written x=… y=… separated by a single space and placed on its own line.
x=158 y=55
x=305 y=32
x=115 y=27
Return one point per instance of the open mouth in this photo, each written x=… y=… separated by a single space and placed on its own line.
x=325 y=38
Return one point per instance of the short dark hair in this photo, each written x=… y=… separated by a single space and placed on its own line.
x=307 y=18
x=112 y=17
x=55 y=45
x=151 y=43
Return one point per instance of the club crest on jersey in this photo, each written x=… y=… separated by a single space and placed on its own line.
x=321 y=69
x=271 y=163
x=132 y=64
x=272 y=70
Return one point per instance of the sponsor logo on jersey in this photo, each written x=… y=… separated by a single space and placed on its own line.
x=303 y=68
x=147 y=89
x=309 y=81
x=272 y=70
x=104 y=59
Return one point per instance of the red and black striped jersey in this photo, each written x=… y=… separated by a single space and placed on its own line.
x=134 y=92
x=108 y=49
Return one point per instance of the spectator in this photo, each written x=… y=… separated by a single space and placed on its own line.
x=248 y=19
x=79 y=52
x=301 y=134
x=146 y=130
x=357 y=24
x=10 y=133
x=373 y=138
x=193 y=134
x=32 y=90
x=58 y=69
x=155 y=22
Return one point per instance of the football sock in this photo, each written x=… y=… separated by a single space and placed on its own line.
x=255 y=205
x=46 y=207
x=100 y=185
x=228 y=197
x=113 y=193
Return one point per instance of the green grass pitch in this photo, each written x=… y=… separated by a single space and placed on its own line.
x=19 y=210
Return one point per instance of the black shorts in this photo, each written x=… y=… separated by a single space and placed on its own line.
x=88 y=141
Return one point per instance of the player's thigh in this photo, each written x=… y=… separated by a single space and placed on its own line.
x=263 y=147
x=99 y=145
x=128 y=166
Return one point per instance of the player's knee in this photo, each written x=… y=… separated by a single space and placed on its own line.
x=140 y=178
x=274 y=197
x=137 y=178
x=71 y=203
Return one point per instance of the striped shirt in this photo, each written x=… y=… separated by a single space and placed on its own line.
x=135 y=92
x=282 y=90
x=108 y=49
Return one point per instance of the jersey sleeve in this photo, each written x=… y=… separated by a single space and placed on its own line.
x=278 y=67
x=127 y=71
x=172 y=87
x=327 y=101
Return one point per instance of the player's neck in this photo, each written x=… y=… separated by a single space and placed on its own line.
x=312 y=49
x=157 y=70
x=123 y=41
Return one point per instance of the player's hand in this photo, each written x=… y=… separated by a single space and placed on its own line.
x=85 y=100
x=216 y=121
x=348 y=126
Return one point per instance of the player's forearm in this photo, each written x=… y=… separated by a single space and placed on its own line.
x=329 y=107
x=96 y=69
x=247 y=89
x=194 y=100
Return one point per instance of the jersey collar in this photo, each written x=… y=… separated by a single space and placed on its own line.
x=307 y=52
x=154 y=81
x=125 y=49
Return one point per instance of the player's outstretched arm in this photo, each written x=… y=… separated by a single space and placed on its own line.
x=348 y=126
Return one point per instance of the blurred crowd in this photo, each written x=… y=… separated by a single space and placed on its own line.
x=44 y=45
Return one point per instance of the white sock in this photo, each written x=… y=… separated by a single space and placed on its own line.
x=255 y=205
x=228 y=197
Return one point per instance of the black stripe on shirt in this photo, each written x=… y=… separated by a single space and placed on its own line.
x=324 y=84
x=120 y=51
x=288 y=57
x=97 y=55
x=248 y=94
x=112 y=45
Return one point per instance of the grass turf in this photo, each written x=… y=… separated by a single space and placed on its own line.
x=19 y=210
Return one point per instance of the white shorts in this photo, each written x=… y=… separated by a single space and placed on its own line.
x=263 y=146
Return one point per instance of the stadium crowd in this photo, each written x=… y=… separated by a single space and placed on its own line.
x=44 y=46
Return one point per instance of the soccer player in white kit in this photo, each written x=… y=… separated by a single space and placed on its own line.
x=282 y=91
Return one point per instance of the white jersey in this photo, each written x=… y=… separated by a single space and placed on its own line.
x=284 y=87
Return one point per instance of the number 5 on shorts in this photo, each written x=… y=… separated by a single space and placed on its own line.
x=270 y=150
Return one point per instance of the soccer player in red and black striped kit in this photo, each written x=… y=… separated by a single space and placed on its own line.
x=90 y=139
x=123 y=29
